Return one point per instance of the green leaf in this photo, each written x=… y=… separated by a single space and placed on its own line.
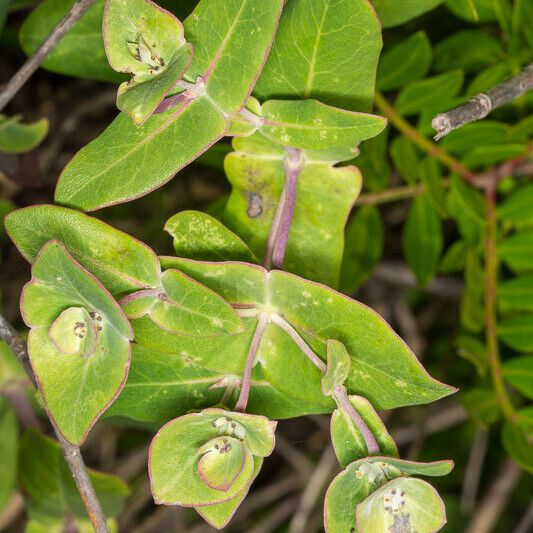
x=472 y=311
x=517 y=251
x=8 y=449
x=219 y=514
x=481 y=11
x=363 y=248
x=10 y=369
x=347 y=439
x=515 y=331
x=395 y=12
x=405 y=157
x=485 y=156
x=467 y=207
x=516 y=294
x=430 y=174
x=80 y=53
x=454 y=258
x=325 y=197
x=200 y=236
x=482 y=405
x=518 y=443
x=466 y=49
x=348 y=489
x=419 y=95
x=383 y=369
x=338 y=368
x=373 y=162
x=17 y=138
x=324 y=69
x=146 y=41
x=519 y=373
x=122 y=263
x=312 y=125
x=422 y=239
x=410 y=468
x=473 y=350
x=516 y=208
x=488 y=78
x=51 y=494
x=213 y=433
x=222 y=461
x=78 y=387
x=407 y=61
x=127 y=161
x=465 y=139
x=184 y=306
x=409 y=503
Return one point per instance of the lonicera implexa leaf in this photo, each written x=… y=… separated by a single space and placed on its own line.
x=348 y=441
x=17 y=138
x=325 y=195
x=230 y=43
x=120 y=262
x=148 y=42
x=413 y=503
x=338 y=368
x=312 y=125
x=383 y=368
x=78 y=380
x=323 y=68
x=199 y=236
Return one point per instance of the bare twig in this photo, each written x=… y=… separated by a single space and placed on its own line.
x=12 y=510
x=496 y=498
x=474 y=467
x=482 y=104
x=33 y=62
x=71 y=452
x=425 y=144
x=321 y=476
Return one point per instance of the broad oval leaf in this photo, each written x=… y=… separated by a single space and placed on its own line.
x=348 y=441
x=183 y=441
x=517 y=251
x=80 y=53
x=146 y=41
x=405 y=62
x=422 y=239
x=120 y=262
x=184 y=306
x=312 y=125
x=408 y=503
x=518 y=371
x=17 y=138
x=79 y=387
x=126 y=161
x=200 y=236
x=395 y=12
x=339 y=75
x=8 y=449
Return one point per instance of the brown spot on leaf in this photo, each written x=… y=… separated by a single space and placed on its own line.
x=255 y=205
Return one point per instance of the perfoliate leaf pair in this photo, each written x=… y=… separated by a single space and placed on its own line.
x=79 y=341
x=373 y=495
x=217 y=454
x=146 y=41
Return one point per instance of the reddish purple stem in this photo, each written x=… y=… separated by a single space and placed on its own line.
x=281 y=225
x=242 y=402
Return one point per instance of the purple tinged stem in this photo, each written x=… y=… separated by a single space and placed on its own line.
x=340 y=394
x=281 y=225
x=242 y=402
